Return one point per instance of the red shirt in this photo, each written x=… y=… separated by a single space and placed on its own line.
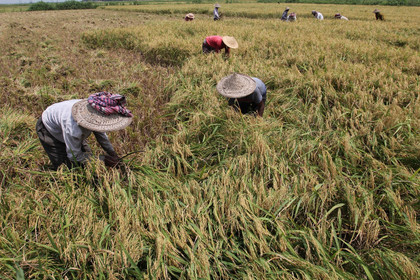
x=215 y=42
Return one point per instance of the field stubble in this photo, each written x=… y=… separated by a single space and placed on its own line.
x=324 y=187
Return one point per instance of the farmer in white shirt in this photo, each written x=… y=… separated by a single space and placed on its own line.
x=318 y=15
x=216 y=15
x=339 y=16
x=64 y=127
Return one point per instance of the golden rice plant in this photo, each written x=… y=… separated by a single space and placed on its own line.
x=325 y=186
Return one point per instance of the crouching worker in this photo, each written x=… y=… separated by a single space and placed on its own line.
x=339 y=16
x=292 y=17
x=216 y=43
x=63 y=128
x=317 y=15
x=244 y=93
x=189 y=17
x=378 y=15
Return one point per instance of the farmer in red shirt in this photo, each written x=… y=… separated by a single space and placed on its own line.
x=216 y=43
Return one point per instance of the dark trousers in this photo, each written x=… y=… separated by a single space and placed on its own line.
x=206 y=47
x=56 y=150
x=244 y=107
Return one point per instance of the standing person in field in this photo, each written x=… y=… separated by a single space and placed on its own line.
x=339 y=16
x=216 y=15
x=63 y=128
x=284 y=15
x=378 y=15
x=189 y=17
x=244 y=93
x=215 y=43
x=318 y=15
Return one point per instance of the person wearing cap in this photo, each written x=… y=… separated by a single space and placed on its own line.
x=64 y=127
x=339 y=16
x=244 y=93
x=378 y=15
x=292 y=17
x=216 y=15
x=284 y=15
x=215 y=43
x=189 y=17
x=318 y=15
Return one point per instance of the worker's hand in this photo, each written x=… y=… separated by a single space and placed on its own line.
x=112 y=161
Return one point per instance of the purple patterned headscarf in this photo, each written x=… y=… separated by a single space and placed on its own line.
x=108 y=103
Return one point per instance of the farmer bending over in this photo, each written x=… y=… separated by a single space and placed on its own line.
x=339 y=16
x=189 y=17
x=284 y=15
x=216 y=43
x=378 y=15
x=292 y=17
x=318 y=15
x=244 y=93
x=64 y=127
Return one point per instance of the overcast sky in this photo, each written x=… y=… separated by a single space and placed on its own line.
x=27 y=1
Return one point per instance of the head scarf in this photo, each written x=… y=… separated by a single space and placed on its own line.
x=108 y=103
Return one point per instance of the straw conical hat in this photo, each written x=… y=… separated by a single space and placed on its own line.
x=376 y=11
x=190 y=15
x=86 y=116
x=230 y=42
x=217 y=5
x=236 y=86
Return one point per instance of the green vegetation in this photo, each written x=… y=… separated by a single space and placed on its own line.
x=67 y=5
x=13 y=8
x=325 y=186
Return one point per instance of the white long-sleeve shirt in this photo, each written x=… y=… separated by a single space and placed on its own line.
x=216 y=13
x=59 y=122
x=319 y=16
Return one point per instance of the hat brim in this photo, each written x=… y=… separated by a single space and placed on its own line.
x=236 y=86
x=86 y=116
x=230 y=42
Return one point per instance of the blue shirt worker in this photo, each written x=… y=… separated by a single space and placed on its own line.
x=284 y=16
x=244 y=93
x=64 y=127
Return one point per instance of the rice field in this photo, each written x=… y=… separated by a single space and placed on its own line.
x=325 y=186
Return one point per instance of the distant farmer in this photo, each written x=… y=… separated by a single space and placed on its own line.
x=216 y=15
x=244 y=93
x=189 y=17
x=339 y=16
x=284 y=15
x=216 y=43
x=378 y=15
x=292 y=17
x=318 y=15
x=63 y=128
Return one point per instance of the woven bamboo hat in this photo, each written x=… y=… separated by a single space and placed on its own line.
x=217 y=5
x=376 y=11
x=190 y=16
x=236 y=85
x=86 y=116
x=230 y=42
